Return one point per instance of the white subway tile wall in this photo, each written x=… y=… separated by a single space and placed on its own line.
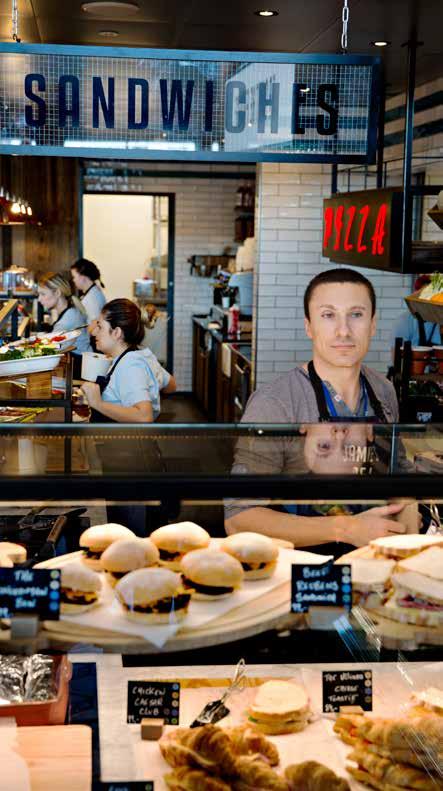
x=204 y=224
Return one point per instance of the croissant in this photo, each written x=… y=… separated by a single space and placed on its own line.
x=369 y=780
x=346 y=727
x=185 y=779
x=386 y=771
x=252 y=774
x=400 y=756
x=312 y=776
x=246 y=740
x=207 y=747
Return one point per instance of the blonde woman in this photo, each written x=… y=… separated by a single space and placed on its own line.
x=55 y=294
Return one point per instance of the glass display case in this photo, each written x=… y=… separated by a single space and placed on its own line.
x=323 y=589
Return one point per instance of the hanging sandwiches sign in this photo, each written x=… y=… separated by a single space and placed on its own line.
x=172 y=104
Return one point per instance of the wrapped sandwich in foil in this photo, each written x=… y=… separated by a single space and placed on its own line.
x=26 y=678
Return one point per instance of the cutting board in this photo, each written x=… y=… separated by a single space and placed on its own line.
x=58 y=756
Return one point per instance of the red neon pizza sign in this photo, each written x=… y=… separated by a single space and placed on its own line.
x=346 y=228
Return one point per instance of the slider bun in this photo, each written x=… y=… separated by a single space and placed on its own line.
x=276 y=728
x=152 y=555
x=78 y=577
x=76 y=609
x=261 y=574
x=181 y=537
x=126 y=554
x=15 y=552
x=212 y=567
x=147 y=586
x=5 y=562
x=99 y=537
x=250 y=548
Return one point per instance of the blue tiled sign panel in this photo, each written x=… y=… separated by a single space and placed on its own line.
x=160 y=104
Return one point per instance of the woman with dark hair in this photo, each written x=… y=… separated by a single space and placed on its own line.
x=87 y=279
x=130 y=392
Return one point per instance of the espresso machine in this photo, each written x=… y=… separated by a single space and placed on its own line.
x=243 y=283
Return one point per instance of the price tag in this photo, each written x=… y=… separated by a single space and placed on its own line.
x=137 y=785
x=153 y=699
x=347 y=688
x=30 y=592
x=327 y=585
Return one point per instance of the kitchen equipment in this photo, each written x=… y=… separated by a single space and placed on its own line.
x=243 y=282
x=144 y=287
x=17 y=279
x=207 y=265
x=216 y=710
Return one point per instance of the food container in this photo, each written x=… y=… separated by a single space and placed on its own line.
x=144 y=287
x=428 y=310
x=420 y=357
x=437 y=352
x=94 y=365
x=48 y=712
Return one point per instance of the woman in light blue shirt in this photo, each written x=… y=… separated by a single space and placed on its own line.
x=130 y=391
x=55 y=294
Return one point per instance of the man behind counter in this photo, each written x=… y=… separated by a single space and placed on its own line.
x=335 y=387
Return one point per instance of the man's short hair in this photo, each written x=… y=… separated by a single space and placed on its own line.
x=338 y=276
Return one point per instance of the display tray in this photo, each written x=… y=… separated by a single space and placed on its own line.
x=58 y=756
x=428 y=310
x=63 y=345
x=142 y=760
x=259 y=606
x=30 y=365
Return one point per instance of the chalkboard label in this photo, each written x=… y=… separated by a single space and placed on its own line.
x=347 y=688
x=136 y=785
x=327 y=585
x=30 y=592
x=153 y=699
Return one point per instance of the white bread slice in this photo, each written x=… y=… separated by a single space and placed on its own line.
x=419 y=586
x=404 y=545
x=278 y=701
x=429 y=562
x=410 y=615
x=369 y=574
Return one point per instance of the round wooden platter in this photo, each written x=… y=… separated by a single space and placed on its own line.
x=269 y=611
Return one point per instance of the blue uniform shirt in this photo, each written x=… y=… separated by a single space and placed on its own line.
x=137 y=377
x=72 y=319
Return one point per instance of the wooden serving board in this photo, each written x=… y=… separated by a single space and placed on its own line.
x=269 y=611
x=58 y=756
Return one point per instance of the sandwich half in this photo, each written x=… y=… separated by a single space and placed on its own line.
x=429 y=562
x=403 y=546
x=280 y=707
x=371 y=581
x=418 y=599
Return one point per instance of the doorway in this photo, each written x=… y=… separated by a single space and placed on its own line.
x=131 y=239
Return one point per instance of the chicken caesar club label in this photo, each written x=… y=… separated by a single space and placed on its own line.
x=136 y=785
x=153 y=699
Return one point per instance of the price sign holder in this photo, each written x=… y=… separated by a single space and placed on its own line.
x=325 y=585
x=27 y=595
x=121 y=785
x=153 y=699
x=346 y=688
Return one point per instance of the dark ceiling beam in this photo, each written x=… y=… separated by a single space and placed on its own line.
x=31 y=3
x=332 y=24
x=181 y=19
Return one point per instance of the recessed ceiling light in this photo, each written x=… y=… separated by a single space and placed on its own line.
x=380 y=43
x=266 y=12
x=108 y=33
x=109 y=8
x=304 y=90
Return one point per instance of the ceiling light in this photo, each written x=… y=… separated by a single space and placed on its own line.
x=110 y=8
x=380 y=43
x=266 y=12
x=108 y=33
x=15 y=208
x=304 y=90
x=29 y=210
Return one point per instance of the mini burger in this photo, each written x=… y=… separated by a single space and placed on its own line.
x=153 y=595
x=174 y=541
x=211 y=574
x=125 y=555
x=96 y=539
x=256 y=553
x=80 y=588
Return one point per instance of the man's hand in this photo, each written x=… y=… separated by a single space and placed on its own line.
x=360 y=529
x=92 y=393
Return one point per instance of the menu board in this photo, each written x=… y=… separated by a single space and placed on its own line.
x=347 y=688
x=135 y=785
x=328 y=585
x=154 y=699
x=30 y=592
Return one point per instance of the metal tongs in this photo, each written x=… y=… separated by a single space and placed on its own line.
x=216 y=709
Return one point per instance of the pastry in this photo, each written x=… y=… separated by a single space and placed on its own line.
x=258 y=554
x=174 y=541
x=346 y=727
x=312 y=776
x=253 y=774
x=207 y=747
x=96 y=539
x=279 y=707
x=186 y=779
x=123 y=556
x=211 y=574
x=80 y=588
x=423 y=734
x=393 y=773
x=153 y=595
x=246 y=740
x=368 y=780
